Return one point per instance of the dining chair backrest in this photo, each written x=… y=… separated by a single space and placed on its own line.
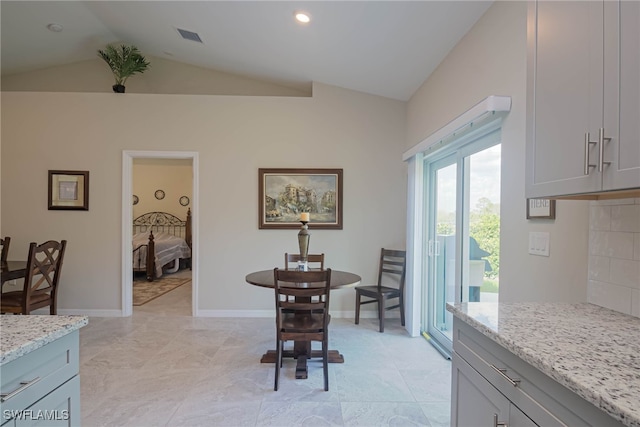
x=392 y=268
x=291 y=261
x=5 y=242
x=44 y=264
x=301 y=290
x=302 y=311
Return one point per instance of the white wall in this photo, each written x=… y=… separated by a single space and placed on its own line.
x=491 y=60
x=163 y=76
x=234 y=136
x=614 y=255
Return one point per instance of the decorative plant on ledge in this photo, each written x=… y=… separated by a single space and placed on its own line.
x=124 y=62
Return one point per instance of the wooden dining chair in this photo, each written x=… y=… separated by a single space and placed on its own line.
x=392 y=266
x=302 y=313
x=40 y=288
x=316 y=259
x=5 y=242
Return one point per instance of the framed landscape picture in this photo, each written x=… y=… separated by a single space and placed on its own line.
x=285 y=193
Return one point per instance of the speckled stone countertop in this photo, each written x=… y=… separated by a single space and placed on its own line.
x=593 y=351
x=20 y=335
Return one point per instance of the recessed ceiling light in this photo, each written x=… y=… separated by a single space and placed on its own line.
x=302 y=17
x=56 y=28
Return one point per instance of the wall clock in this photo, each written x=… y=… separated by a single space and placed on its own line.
x=159 y=194
x=135 y=199
x=184 y=200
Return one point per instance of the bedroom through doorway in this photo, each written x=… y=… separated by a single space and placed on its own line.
x=159 y=212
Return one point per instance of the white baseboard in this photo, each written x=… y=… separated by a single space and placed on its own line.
x=89 y=312
x=369 y=314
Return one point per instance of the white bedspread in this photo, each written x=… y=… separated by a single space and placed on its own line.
x=168 y=248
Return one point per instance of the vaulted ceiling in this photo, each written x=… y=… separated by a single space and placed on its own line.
x=385 y=48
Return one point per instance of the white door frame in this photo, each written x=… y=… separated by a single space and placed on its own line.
x=127 y=219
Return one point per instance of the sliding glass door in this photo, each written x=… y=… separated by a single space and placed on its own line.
x=462 y=231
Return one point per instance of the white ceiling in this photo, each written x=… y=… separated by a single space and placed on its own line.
x=385 y=48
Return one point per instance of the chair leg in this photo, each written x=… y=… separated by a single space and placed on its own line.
x=382 y=302
x=278 y=362
x=325 y=363
x=357 y=307
x=402 y=310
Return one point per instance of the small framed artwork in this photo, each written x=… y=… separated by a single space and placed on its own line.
x=283 y=194
x=68 y=190
x=541 y=209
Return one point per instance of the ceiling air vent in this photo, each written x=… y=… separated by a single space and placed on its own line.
x=190 y=35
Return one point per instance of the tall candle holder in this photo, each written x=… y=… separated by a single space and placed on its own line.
x=303 y=243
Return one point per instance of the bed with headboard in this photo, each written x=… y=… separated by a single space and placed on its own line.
x=160 y=240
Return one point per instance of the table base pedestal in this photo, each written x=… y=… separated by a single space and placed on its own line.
x=301 y=367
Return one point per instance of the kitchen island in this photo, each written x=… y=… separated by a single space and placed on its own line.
x=39 y=361
x=586 y=353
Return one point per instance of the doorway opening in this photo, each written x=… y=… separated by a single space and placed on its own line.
x=172 y=197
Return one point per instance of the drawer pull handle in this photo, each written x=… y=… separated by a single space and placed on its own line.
x=514 y=382
x=23 y=386
x=497 y=423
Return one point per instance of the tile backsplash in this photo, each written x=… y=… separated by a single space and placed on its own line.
x=614 y=255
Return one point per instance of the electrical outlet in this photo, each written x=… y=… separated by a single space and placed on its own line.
x=539 y=243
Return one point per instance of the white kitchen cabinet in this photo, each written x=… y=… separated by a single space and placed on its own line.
x=42 y=388
x=583 y=97
x=491 y=387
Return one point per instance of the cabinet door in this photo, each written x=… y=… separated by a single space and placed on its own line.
x=564 y=96
x=61 y=407
x=474 y=401
x=517 y=418
x=622 y=95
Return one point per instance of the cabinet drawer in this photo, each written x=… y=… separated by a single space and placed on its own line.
x=45 y=369
x=57 y=409
x=543 y=399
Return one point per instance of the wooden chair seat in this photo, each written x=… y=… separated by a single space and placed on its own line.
x=14 y=299
x=296 y=322
x=392 y=264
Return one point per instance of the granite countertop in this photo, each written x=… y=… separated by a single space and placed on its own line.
x=20 y=335
x=591 y=350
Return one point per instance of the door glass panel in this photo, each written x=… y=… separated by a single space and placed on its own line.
x=442 y=250
x=482 y=226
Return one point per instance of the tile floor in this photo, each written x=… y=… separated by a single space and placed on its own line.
x=162 y=367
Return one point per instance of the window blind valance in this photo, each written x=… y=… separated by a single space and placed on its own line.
x=485 y=110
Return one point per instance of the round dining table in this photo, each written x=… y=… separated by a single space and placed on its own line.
x=302 y=349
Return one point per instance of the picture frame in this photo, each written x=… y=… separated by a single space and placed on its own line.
x=68 y=190
x=541 y=209
x=283 y=194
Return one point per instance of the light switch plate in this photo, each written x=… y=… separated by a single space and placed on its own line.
x=539 y=243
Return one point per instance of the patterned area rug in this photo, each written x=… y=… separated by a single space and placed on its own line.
x=144 y=291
